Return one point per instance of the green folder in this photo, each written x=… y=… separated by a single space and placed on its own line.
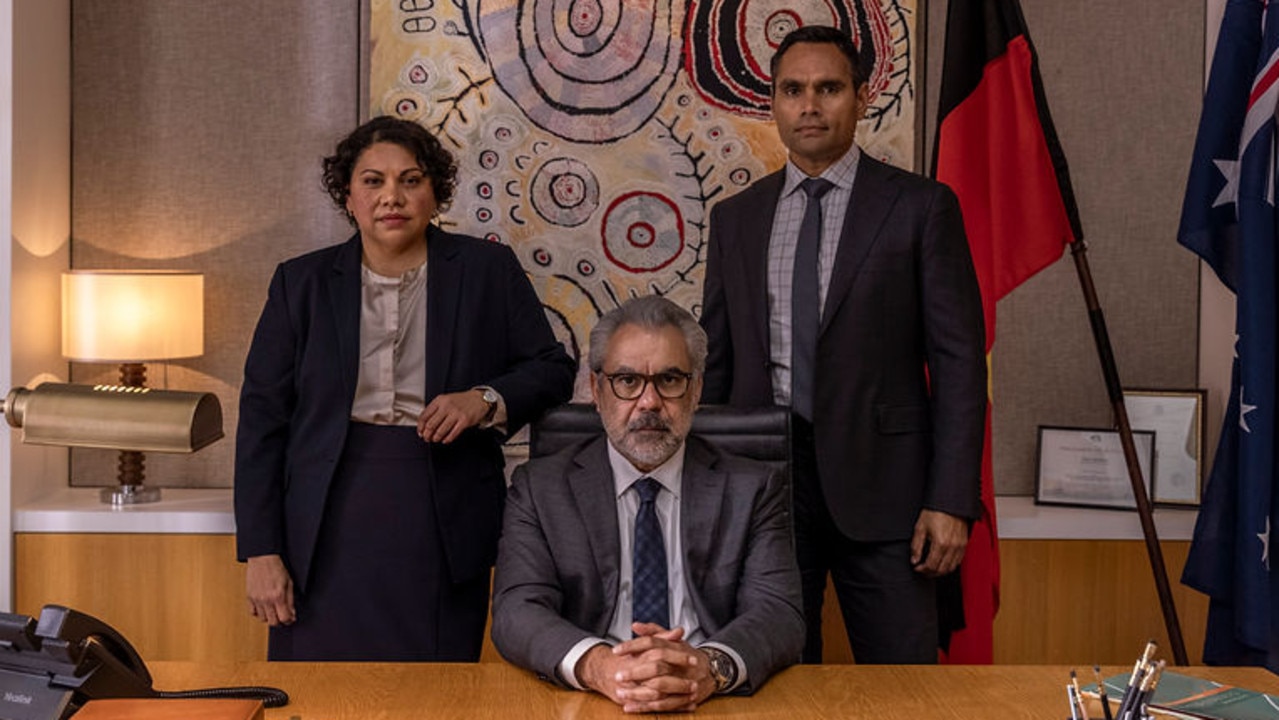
x=1182 y=696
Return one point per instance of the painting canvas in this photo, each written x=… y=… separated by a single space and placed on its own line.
x=595 y=136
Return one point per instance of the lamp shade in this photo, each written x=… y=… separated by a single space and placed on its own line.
x=132 y=316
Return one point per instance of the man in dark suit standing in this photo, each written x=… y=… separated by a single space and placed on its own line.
x=844 y=288
x=647 y=565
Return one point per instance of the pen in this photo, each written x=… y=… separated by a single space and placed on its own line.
x=1139 y=669
x=1101 y=693
x=1074 y=702
x=1079 y=696
x=1149 y=685
x=1133 y=708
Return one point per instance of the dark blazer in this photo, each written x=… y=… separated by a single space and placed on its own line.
x=891 y=438
x=485 y=326
x=557 y=569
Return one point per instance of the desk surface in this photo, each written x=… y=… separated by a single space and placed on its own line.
x=497 y=690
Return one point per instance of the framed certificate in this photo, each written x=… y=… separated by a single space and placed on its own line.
x=1085 y=467
x=1177 y=419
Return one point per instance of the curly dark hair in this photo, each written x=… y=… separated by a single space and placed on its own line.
x=435 y=161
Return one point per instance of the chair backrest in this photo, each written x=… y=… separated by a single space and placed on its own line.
x=758 y=433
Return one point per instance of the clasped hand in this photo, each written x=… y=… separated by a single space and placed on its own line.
x=657 y=671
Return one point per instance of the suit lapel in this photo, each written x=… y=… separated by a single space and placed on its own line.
x=444 y=270
x=757 y=225
x=869 y=205
x=593 y=490
x=702 y=492
x=345 y=302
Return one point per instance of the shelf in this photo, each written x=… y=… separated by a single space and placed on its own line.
x=1019 y=518
x=78 y=510
x=193 y=511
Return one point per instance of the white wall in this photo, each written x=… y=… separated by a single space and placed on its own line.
x=36 y=52
x=1216 y=303
x=6 y=227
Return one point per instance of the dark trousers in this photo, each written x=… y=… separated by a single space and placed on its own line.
x=379 y=586
x=890 y=611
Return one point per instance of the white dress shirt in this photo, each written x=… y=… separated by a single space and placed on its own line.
x=670 y=476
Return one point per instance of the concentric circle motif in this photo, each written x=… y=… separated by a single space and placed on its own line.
x=542 y=257
x=489 y=159
x=408 y=106
x=589 y=71
x=643 y=232
x=731 y=150
x=730 y=44
x=565 y=192
x=419 y=73
x=505 y=130
x=584 y=17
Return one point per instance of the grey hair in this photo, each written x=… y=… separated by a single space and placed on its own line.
x=651 y=312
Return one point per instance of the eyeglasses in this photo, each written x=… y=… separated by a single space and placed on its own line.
x=670 y=385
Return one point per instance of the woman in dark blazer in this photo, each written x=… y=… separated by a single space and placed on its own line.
x=383 y=376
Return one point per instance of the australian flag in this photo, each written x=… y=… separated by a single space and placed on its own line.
x=1229 y=219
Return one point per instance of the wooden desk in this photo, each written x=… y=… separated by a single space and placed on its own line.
x=498 y=690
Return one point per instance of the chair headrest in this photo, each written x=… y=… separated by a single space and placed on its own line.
x=758 y=433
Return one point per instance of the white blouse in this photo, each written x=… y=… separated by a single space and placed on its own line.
x=392 y=377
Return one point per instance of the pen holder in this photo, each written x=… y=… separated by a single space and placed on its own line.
x=1093 y=705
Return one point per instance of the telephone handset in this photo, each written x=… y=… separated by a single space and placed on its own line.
x=50 y=667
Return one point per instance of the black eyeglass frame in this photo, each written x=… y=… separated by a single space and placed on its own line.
x=612 y=378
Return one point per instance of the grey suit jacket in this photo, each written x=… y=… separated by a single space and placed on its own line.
x=557 y=575
x=900 y=408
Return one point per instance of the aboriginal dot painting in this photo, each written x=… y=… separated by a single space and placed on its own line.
x=594 y=136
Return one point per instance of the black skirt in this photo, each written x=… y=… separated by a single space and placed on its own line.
x=379 y=583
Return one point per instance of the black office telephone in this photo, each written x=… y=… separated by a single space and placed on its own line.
x=51 y=667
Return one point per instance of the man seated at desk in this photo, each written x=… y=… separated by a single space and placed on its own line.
x=649 y=567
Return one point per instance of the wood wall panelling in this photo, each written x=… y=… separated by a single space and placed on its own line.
x=181 y=597
x=175 y=597
x=1078 y=602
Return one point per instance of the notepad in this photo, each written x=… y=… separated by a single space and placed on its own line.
x=1182 y=696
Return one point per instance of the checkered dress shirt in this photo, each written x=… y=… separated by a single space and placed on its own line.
x=781 y=255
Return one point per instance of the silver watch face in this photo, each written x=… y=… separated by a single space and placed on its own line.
x=490 y=397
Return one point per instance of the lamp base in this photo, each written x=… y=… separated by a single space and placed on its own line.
x=130 y=495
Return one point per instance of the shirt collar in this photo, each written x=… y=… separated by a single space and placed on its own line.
x=625 y=474
x=841 y=173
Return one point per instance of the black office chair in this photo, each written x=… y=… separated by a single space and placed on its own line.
x=757 y=433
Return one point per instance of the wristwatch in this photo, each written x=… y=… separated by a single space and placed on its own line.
x=490 y=396
x=723 y=669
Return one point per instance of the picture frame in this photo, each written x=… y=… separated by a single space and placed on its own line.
x=1178 y=419
x=1085 y=467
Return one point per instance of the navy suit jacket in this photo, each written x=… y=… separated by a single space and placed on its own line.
x=558 y=572
x=891 y=438
x=485 y=326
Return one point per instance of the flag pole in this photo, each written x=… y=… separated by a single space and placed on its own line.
x=1079 y=251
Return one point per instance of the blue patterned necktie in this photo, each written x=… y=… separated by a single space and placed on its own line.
x=650 y=598
x=806 y=299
